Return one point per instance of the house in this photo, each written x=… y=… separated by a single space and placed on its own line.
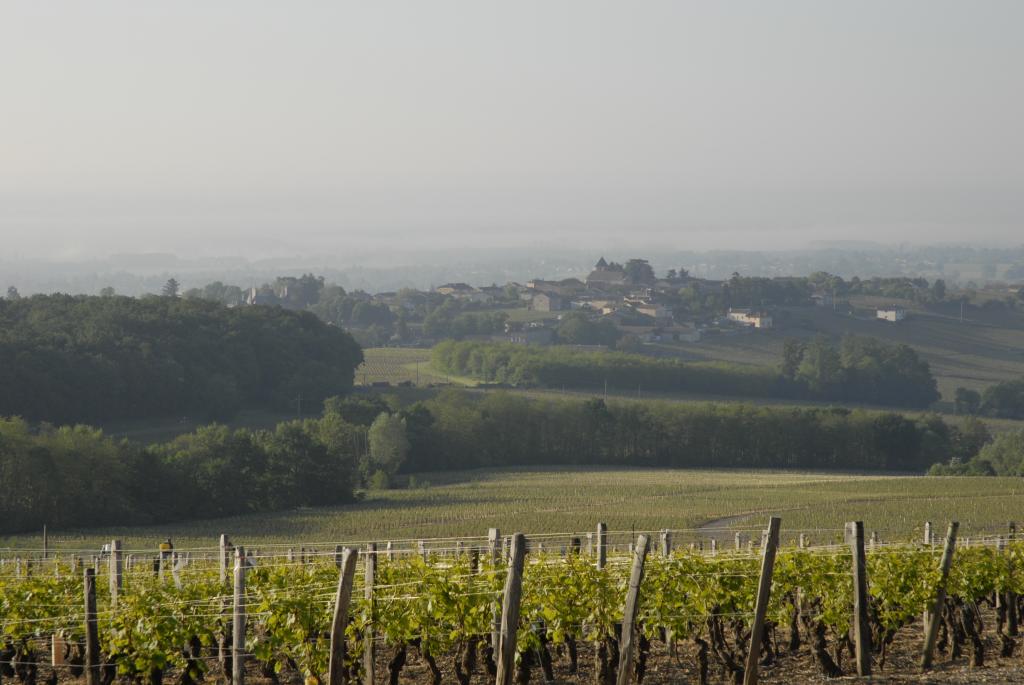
x=750 y=317
x=655 y=311
x=607 y=275
x=891 y=314
x=547 y=302
x=603 y=304
x=463 y=291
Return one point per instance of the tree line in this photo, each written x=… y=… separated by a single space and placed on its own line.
x=457 y=429
x=71 y=359
x=72 y=477
x=860 y=370
x=1003 y=400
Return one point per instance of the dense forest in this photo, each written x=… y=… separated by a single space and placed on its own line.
x=74 y=477
x=70 y=359
x=860 y=370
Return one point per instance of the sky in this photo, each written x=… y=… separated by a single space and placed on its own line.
x=262 y=128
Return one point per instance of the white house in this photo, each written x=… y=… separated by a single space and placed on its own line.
x=749 y=317
x=892 y=314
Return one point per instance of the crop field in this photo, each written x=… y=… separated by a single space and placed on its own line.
x=423 y=612
x=396 y=365
x=974 y=354
x=563 y=500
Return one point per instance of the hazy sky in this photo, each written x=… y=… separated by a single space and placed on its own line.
x=261 y=127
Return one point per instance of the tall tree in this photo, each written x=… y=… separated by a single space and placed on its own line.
x=171 y=288
x=639 y=271
x=821 y=367
x=389 y=446
x=792 y=355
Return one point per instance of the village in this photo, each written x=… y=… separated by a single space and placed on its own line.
x=616 y=305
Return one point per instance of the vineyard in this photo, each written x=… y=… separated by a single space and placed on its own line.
x=399 y=365
x=604 y=607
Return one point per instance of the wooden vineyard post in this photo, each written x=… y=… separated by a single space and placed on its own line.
x=625 y=675
x=336 y=668
x=510 y=612
x=861 y=627
x=764 y=590
x=738 y=539
x=602 y=544
x=222 y=563
x=225 y=544
x=337 y=556
x=929 y=537
x=92 y=638
x=1012 y=620
x=238 y=621
x=575 y=545
x=369 y=579
x=666 y=552
x=116 y=571
x=493 y=549
x=935 y=614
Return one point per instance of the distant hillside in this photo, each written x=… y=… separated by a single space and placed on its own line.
x=986 y=348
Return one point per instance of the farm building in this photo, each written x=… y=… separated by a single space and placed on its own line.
x=891 y=314
x=750 y=317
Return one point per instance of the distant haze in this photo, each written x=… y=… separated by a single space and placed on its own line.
x=271 y=129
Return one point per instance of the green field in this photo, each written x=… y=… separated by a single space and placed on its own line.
x=396 y=365
x=976 y=353
x=563 y=501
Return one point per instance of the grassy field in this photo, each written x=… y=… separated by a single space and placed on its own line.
x=526 y=315
x=561 y=501
x=974 y=354
x=396 y=365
